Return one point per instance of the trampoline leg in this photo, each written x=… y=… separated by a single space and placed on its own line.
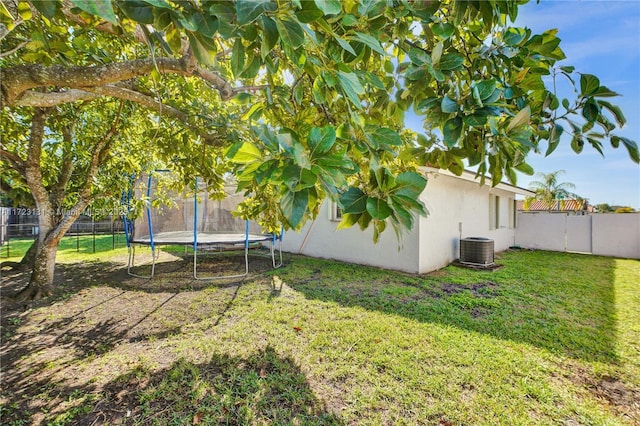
x=153 y=262
x=132 y=259
x=273 y=255
x=195 y=264
x=246 y=259
x=246 y=268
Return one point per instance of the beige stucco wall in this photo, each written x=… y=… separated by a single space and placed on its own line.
x=321 y=239
x=452 y=201
x=432 y=244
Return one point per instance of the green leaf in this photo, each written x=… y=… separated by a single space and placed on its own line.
x=345 y=45
x=329 y=7
x=409 y=184
x=615 y=110
x=525 y=168
x=207 y=24
x=589 y=84
x=514 y=36
x=378 y=208
x=300 y=155
x=351 y=87
x=46 y=7
x=486 y=89
x=419 y=57
x=436 y=53
x=427 y=104
x=382 y=136
x=294 y=205
x=451 y=62
x=100 y=8
x=631 y=146
x=321 y=140
x=353 y=201
x=291 y=33
x=520 y=119
x=449 y=105
x=451 y=131
x=443 y=29
x=348 y=220
x=309 y=12
x=200 y=51
x=577 y=143
x=247 y=153
x=368 y=40
x=605 y=92
x=249 y=10
x=237 y=58
x=475 y=120
x=270 y=36
x=554 y=138
x=591 y=110
x=319 y=91
x=596 y=144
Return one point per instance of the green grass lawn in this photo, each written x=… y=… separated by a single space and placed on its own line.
x=551 y=338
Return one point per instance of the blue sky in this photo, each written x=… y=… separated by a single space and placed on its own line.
x=600 y=38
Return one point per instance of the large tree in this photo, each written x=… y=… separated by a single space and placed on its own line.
x=301 y=100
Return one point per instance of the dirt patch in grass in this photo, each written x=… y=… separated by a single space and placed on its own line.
x=486 y=289
x=623 y=397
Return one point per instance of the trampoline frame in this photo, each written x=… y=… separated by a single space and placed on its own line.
x=206 y=241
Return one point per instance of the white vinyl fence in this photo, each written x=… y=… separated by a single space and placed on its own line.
x=616 y=235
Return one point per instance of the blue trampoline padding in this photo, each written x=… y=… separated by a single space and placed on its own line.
x=203 y=238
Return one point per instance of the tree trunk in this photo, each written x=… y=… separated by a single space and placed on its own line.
x=41 y=281
x=29 y=257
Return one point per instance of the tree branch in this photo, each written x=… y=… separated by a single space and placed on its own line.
x=14 y=161
x=94 y=164
x=15 y=49
x=67 y=162
x=21 y=78
x=41 y=99
x=159 y=107
x=33 y=171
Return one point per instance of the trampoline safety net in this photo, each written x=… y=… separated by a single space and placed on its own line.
x=171 y=216
x=175 y=215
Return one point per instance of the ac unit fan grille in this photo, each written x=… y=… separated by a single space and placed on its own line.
x=476 y=251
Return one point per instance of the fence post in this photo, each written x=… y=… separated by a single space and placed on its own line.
x=93 y=231
x=113 y=236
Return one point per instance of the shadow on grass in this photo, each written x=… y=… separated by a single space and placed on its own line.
x=558 y=301
x=264 y=388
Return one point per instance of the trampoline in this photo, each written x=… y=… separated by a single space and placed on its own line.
x=191 y=217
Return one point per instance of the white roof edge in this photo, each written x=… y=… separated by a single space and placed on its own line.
x=471 y=177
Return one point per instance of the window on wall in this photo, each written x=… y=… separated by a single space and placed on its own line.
x=512 y=213
x=494 y=212
x=335 y=212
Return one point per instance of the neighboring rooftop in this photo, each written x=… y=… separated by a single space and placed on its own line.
x=555 y=206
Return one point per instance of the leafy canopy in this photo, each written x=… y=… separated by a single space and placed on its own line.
x=312 y=95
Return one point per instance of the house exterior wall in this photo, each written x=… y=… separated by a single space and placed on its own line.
x=434 y=241
x=321 y=239
x=453 y=202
